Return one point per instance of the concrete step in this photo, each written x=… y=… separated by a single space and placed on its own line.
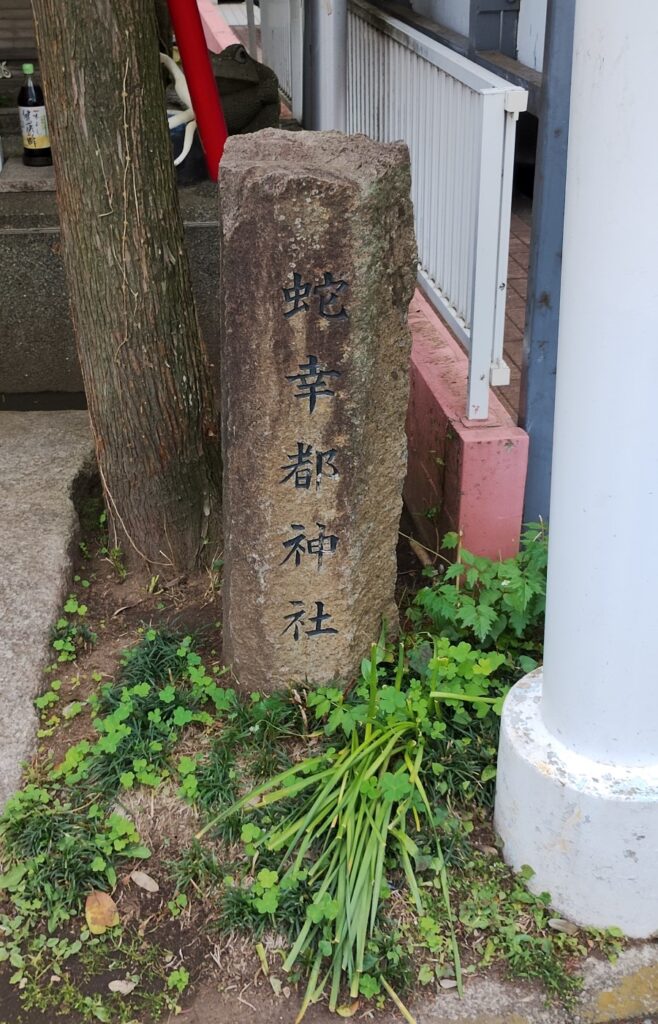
x=43 y=457
x=16 y=177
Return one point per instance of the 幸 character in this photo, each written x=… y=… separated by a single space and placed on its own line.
x=311 y=382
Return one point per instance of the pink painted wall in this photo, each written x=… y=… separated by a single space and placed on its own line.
x=218 y=34
x=463 y=474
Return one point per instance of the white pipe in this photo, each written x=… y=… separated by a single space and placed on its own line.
x=325 y=65
x=251 y=30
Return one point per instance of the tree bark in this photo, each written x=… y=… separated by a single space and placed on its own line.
x=165 y=33
x=153 y=409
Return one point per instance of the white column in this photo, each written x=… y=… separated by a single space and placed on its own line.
x=325 y=65
x=577 y=795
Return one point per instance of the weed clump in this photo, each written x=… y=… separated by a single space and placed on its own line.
x=352 y=824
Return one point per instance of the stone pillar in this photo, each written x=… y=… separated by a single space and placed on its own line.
x=318 y=267
x=577 y=795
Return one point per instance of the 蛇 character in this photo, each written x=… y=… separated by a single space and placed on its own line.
x=329 y=293
x=296 y=295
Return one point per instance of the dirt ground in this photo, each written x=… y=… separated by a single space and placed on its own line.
x=120 y=605
x=235 y=1006
x=227 y=983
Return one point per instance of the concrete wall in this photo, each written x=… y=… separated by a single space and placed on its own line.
x=530 y=36
x=454 y=14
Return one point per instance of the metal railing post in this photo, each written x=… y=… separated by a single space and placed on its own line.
x=544 y=280
x=325 y=65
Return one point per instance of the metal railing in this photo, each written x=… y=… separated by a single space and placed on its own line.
x=281 y=42
x=459 y=121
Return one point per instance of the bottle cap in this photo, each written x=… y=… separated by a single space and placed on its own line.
x=28 y=69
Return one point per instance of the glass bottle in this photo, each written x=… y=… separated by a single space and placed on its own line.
x=34 y=123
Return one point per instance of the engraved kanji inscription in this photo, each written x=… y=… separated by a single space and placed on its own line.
x=309 y=464
x=330 y=295
x=298 y=619
x=311 y=382
x=300 y=544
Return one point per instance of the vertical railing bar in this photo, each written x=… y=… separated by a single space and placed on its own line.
x=485 y=264
x=438 y=183
x=386 y=75
x=367 y=95
x=467 y=159
x=415 y=131
x=350 y=71
x=449 y=264
x=499 y=370
x=426 y=127
x=460 y=210
x=473 y=102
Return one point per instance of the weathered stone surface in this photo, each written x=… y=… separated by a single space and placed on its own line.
x=314 y=393
x=42 y=454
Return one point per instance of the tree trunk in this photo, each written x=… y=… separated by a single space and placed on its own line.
x=165 y=32
x=153 y=409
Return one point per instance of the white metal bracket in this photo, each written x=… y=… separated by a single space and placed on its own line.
x=499 y=375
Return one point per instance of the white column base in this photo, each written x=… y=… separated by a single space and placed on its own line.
x=589 y=829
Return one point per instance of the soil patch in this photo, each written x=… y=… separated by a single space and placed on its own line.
x=120 y=606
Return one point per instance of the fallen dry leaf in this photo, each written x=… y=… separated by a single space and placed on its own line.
x=122 y=985
x=558 y=924
x=448 y=983
x=348 y=1011
x=101 y=912
x=144 y=881
x=141 y=931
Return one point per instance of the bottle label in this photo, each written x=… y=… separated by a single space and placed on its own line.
x=34 y=127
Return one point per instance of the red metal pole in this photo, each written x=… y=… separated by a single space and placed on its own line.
x=191 y=42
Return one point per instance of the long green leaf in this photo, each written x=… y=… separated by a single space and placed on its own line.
x=310 y=988
x=398 y=1002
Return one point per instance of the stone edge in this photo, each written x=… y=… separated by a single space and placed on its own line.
x=80 y=482
x=613 y=993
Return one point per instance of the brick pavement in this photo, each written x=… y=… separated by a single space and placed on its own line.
x=517 y=290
